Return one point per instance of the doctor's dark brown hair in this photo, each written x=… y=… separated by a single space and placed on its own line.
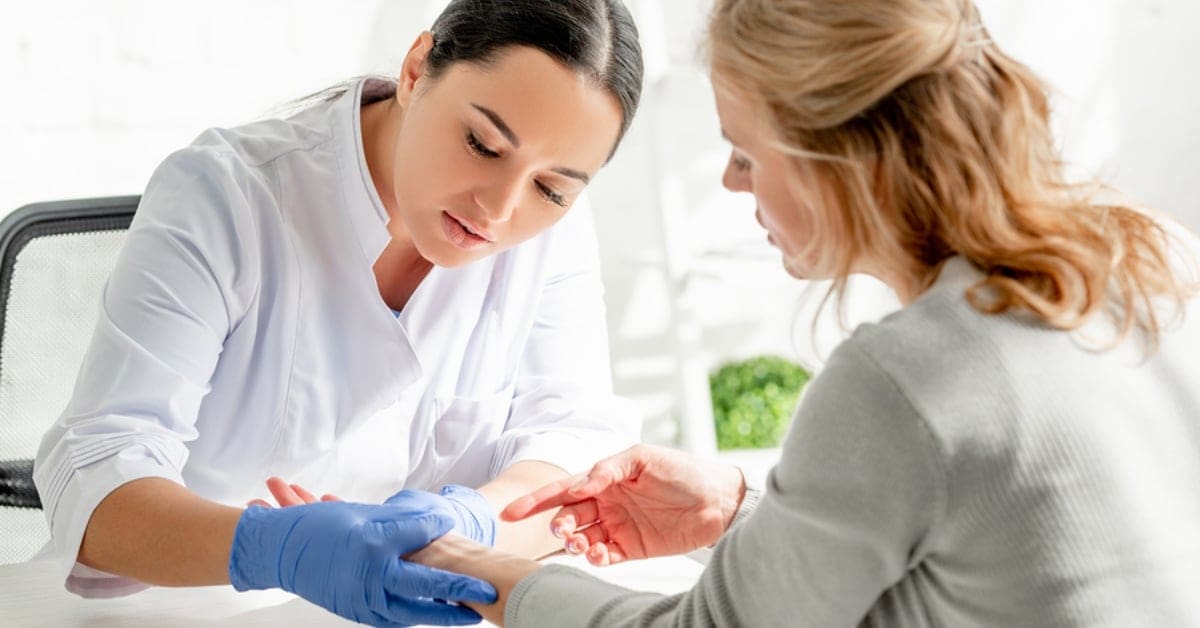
x=596 y=38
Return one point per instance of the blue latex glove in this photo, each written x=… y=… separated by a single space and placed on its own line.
x=476 y=519
x=345 y=557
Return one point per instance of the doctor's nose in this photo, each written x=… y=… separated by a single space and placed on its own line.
x=500 y=199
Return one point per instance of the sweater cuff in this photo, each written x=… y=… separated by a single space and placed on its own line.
x=749 y=503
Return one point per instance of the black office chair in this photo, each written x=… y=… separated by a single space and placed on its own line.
x=54 y=260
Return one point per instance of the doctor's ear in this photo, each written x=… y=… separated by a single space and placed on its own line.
x=413 y=69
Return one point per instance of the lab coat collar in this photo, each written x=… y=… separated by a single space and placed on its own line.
x=367 y=214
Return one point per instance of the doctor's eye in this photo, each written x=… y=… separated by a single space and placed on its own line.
x=478 y=148
x=551 y=195
x=741 y=164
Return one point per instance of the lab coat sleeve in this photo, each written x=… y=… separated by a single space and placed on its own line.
x=563 y=410
x=178 y=285
x=859 y=486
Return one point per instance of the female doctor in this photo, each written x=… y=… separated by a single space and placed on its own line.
x=385 y=290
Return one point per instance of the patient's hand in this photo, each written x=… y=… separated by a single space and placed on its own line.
x=290 y=495
x=644 y=502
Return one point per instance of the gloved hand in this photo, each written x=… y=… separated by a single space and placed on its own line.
x=346 y=557
x=476 y=519
x=474 y=516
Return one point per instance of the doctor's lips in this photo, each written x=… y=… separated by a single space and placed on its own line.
x=464 y=233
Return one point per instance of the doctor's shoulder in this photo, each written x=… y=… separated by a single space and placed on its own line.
x=226 y=175
x=216 y=201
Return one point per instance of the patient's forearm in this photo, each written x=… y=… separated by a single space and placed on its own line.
x=531 y=537
x=460 y=555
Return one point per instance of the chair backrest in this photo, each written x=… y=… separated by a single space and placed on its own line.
x=54 y=261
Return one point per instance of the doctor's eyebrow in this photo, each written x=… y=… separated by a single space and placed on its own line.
x=512 y=138
x=501 y=125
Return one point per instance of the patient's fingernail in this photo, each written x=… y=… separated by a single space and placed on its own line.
x=563 y=525
x=574 y=547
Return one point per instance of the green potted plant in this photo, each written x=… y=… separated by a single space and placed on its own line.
x=753 y=401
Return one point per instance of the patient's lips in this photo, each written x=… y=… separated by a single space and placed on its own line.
x=759 y=217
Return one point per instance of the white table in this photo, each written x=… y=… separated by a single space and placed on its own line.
x=32 y=594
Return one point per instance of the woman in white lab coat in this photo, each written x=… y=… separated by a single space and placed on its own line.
x=385 y=290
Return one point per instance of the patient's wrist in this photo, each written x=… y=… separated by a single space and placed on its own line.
x=750 y=499
x=734 y=494
x=462 y=555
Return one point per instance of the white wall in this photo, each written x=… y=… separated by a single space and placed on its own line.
x=1127 y=74
x=97 y=92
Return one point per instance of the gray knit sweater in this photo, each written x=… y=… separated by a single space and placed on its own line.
x=953 y=469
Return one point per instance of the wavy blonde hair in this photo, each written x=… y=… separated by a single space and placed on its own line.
x=933 y=143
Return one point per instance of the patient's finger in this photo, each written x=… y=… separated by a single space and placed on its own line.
x=608 y=472
x=549 y=496
x=598 y=555
x=259 y=502
x=604 y=554
x=283 y=492
x=330 y=498
x=615 y=555
x=568 y=518
x=581 y=541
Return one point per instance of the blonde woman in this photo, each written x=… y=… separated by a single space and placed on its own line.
x=1018 y=446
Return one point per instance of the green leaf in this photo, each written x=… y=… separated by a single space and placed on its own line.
x=753 y=401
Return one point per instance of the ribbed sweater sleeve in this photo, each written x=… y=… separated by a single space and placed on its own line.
x=859 y=484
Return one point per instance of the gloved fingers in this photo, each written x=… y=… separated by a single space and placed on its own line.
x=391 y=608
x=467 y=496
x=407 y=612
x=405 y=533
x=413 y=503
x=470 y=499
x=410 y=580
x=476 y=519
x=403 y=497
x=388 y=610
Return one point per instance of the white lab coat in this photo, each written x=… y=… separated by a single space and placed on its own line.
x=242 y=335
